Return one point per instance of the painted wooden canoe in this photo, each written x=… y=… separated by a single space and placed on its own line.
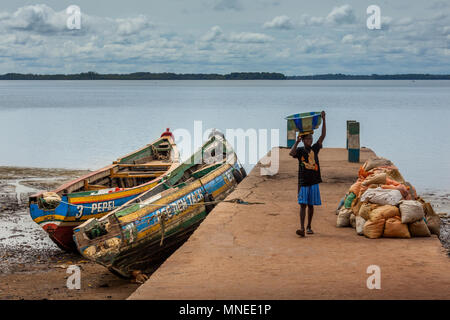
x=99 y=192
x=130 y=238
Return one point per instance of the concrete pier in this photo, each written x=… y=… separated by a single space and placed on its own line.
x=253 y=252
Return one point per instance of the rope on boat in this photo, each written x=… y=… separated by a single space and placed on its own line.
x=163 y=228
x=236 y=201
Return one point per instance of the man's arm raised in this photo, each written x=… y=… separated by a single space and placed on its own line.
x=293 y=151
x=324 y=129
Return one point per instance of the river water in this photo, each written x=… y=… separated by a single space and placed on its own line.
x=87 y=124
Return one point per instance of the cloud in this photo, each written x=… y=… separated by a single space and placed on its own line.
x=35 y=39
x=280 y=22
x=42 y=19
x=215 y=34
x=250 y=37
x=317 y=45
x=126 y=27
x=38 y=18
x=228 y=5
x=342 y=15
x=212 y=35
x=438 y=5
x=285 y=53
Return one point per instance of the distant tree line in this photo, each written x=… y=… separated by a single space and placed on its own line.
x=148 y=76
x=340 y=76
x=214 y=76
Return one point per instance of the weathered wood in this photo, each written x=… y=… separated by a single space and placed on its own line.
x=137 y=174
x=146 y=165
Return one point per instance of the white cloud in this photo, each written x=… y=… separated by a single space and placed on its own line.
x=341 y=15
x=38 y=18
x=213 y=34
x=35 y=39
x=317 y=45
x=250 y=37
x=356 y=40
x=280 y=22
x=126 y=27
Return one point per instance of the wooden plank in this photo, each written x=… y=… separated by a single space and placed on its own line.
x=146 y=166
x=137 y=175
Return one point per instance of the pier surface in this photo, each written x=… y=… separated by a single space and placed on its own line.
x=252 y=251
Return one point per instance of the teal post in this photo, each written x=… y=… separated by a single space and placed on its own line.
x=353 y=141
x=348 y=121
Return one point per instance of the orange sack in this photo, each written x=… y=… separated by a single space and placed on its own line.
x=394 y=228
x=373 y=229
x=355 y=188
x=384 y=212
x=400 y=187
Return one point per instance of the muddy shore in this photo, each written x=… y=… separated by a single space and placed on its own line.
x=33 y=267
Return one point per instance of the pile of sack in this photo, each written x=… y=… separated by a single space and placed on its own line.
x=382 y=204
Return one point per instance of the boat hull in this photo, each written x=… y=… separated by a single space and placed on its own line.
x=83 y=198
x=71 y=212
x=149 y=233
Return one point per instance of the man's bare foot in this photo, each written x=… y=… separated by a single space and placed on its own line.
x=300 y=232
x=138 y=277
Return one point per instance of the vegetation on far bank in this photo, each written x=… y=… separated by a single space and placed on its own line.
x=214 y=76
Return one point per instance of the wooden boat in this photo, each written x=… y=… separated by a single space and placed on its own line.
x=130 y=238
x=99 y=192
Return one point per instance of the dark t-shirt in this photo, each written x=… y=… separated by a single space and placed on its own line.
x=308 y=169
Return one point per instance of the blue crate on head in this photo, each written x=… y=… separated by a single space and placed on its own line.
x=304 y=123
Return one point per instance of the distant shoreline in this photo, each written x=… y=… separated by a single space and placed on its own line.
x=214 y=76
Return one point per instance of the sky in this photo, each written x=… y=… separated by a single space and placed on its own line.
x=294 y=37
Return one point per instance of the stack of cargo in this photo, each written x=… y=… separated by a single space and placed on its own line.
x=382 y=204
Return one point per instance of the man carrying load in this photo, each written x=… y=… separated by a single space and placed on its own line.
x=308 y=175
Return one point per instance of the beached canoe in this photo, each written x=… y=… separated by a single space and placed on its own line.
x=100 y=192
x=130 y=238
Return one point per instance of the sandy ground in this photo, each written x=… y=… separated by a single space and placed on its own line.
x=31 y=266
x=253 y=252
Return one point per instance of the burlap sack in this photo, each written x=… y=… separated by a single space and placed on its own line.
x=360 y=225
x=419 y=229
x=376 y=162
x=356 y=205
x=374 y=229
x=394 y=228
x=343 y=218
x=411 y=211
x=384 y=212
x=433 y=219
x=353 y=220
x=365 y=209
x=379 y=178
x=382 y=196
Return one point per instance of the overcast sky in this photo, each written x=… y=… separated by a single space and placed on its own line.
x=221 y=36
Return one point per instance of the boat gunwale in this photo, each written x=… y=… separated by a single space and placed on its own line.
x=230 y=156
x=174 y=162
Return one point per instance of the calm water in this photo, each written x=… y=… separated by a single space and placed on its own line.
x=87 y=124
